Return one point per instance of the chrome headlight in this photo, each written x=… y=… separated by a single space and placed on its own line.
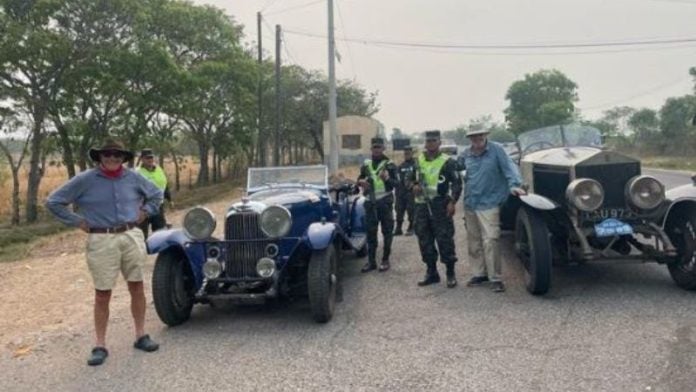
x=276 y=221
x=199 y=223
x=265 y=267
x=585 y=194
x=645 y=192
x=212 y=269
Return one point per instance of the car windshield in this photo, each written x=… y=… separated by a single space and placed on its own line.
x=304 y=176
x=572 y=135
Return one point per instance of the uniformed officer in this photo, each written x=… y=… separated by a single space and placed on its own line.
x=404 y=195
x=378 y=178
x=155 y=174
x=437 y=188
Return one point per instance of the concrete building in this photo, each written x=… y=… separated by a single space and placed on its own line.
x=354 y=134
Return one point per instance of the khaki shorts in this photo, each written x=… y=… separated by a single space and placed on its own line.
x=107 y=254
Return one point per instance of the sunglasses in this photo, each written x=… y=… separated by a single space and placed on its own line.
x=431 y=140
x=112 y=153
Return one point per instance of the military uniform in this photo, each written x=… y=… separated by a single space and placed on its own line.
x=379 y=206
x=441 y=184
x=404 y=195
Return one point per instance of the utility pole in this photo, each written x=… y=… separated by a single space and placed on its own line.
x=333 y=135
x=276 y=147
x=261 y=138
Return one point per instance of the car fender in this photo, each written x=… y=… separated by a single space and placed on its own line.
x=538 y=202
x=681 y=195
x=175 y=240
x=320 y=235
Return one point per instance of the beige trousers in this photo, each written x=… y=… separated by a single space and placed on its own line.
x=482 y=237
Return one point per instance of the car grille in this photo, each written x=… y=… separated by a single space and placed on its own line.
x=613 y=178
x=247 y=247
x=551 y=182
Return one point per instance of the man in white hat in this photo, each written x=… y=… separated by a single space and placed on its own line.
x=490 y=178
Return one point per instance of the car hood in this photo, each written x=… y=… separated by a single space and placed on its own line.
x=287 y=197
x=574 y=156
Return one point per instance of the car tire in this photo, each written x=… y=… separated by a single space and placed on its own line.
x=533 y=247
x=681 y=229
x=172 y=288
x=322 y=283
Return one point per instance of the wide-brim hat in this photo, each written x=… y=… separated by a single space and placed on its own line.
x=474 y=132
x=111 y=145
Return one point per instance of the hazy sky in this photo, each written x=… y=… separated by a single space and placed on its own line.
x=424 y=88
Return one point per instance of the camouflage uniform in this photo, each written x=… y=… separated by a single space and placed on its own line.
x=404 y=195
x=382 y=211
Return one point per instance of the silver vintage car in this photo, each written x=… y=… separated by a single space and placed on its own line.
x=587 y=203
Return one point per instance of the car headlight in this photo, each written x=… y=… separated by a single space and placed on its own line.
x=585 y=194
x=276 y=221
x=199 y=223
x=212 y=269
x=645 y=192
x=265 y=267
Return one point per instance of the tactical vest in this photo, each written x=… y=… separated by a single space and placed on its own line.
x=377 y=183
x=429 y=175
x=156 y=176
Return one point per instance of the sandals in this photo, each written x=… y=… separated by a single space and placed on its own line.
x=98 y=356
x=146 y=344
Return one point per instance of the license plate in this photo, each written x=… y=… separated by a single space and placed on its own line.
x=611 y=227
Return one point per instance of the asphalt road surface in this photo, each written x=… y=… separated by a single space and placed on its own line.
x=601 y=328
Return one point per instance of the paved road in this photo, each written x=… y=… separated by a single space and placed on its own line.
x=601 y=328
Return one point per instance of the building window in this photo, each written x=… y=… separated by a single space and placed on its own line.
x=350 y=142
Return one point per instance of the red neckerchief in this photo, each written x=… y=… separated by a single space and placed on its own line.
x=112 y=173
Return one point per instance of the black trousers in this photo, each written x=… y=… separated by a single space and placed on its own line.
x=381 y=214
x=156 y=222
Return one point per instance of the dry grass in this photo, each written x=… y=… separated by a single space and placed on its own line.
x=56 y=175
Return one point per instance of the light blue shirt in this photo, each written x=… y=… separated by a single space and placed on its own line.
x=105 y=202
x=489 y=177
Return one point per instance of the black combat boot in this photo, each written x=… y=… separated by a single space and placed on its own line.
x=398 y=230
x=409 y=230
x=451 y=277
x=369 y=266
x=384 y=265
x=431 y=276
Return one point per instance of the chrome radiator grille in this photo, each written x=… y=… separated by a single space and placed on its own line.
x=247 y=247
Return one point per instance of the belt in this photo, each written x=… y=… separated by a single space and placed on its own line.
x=117 y=229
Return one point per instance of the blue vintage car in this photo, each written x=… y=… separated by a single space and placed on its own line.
x=284 y=238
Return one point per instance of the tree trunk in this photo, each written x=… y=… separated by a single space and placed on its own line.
x=66 y=147
x=176 y=171
x=35 y=172
x=15 y=196
x=215 y=166
x=203 y=170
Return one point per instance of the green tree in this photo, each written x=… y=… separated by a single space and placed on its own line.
x=676 y=124
x=35 y=53
x=546 y=97
x=645 y=125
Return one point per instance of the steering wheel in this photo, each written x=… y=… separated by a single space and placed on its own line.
x=541 y=143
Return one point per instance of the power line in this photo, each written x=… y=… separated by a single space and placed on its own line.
x=637 y=95
x=505 y=46
x=296 y=7
x=269 y=3
x=528 y=53
x=347 y=45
